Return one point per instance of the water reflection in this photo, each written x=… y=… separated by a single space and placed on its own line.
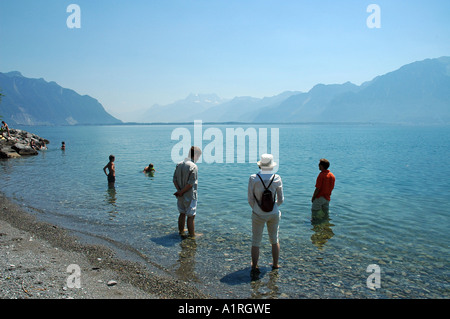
x=260 y=287
x=6 y=167
x=150 y=174
x=111 y=200
x=186 y=260
x=269 y=289
x=322 y=229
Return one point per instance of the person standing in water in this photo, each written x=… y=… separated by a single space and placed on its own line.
x=111 y=171
x=322 y=194
x=262 y=215
x=149 y=169
x=185 y=180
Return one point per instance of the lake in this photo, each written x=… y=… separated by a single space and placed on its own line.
x=389 y=207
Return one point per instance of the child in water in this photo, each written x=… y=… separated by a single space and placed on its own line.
x=111 y=171
x=149 y=169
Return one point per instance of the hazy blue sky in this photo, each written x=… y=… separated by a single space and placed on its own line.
x=132 y=54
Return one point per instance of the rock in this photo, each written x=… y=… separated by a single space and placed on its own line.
x=19 y=144
x=24 y=149
x=112 y=283
x=8 y=152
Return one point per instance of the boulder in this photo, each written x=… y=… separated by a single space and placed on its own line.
x=18 y=144
x=24 y=149
x=8 y=152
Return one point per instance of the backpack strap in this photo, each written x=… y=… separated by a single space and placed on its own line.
x=273 y=177
x=262 y=181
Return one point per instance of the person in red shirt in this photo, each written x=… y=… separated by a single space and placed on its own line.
x=324 y=187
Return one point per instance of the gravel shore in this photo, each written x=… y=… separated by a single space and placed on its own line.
x=35 y=256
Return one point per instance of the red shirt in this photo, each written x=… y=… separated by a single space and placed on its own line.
x=325 y=184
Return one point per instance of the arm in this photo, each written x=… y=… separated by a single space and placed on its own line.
x=104 y=169
x=318 y=186
x=280 y=195
x=190 y=183
x=316 y=192
x=250 y=194
x=174 y=180
x=180 y=192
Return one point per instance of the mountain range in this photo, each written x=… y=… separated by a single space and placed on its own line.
x=416 y=93
x=38 y=102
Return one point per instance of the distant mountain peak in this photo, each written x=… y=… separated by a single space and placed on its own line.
x=14 y=74
x=183 y=110
x=204 y=98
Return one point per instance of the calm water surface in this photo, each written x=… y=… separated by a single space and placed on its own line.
x=389 y=207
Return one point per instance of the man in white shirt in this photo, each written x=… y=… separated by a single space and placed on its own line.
x=185 y=180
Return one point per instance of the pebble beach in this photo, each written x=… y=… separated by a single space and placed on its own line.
x=35 y=256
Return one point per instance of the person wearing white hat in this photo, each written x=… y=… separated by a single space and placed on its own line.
x=262 y=215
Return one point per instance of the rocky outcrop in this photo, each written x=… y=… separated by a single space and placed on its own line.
x=20 y=143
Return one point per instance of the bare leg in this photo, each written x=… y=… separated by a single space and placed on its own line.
x=181 y=223
x=255 y=257
x=275 y=255
x=191 y=226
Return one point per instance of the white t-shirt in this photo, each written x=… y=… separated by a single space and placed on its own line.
x=256 y=189
x=186 y=173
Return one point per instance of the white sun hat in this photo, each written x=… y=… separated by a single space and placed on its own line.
x=266 y=162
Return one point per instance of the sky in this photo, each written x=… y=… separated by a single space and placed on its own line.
x=130 y=55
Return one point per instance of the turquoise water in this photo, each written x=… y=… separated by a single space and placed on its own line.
x=389 y=207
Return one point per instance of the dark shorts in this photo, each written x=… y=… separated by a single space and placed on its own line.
x=111 y=179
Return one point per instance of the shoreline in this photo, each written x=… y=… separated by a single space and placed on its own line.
x=35 y=256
